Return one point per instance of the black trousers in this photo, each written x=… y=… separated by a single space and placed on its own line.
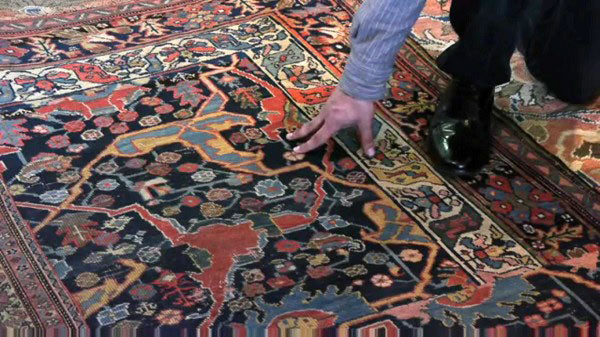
x=559 y=38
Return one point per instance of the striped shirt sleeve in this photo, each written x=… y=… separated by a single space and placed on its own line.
x=378 y=31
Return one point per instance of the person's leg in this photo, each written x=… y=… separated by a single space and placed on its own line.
x=562 y=48
x=488 y=31
x=459 y=131
x=462 y=13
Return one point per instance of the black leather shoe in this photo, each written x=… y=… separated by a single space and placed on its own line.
x=459 y=131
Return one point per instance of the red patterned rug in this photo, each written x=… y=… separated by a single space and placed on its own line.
x=147 y=183
x=22 y=17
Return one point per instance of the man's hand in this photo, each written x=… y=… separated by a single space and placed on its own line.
x=340 y=111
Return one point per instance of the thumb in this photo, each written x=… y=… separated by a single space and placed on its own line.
x=366 y=137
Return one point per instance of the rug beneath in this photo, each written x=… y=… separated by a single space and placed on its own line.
x=18 y=17
x=147 y=181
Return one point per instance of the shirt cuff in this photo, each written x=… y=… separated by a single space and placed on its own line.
x=362 y=82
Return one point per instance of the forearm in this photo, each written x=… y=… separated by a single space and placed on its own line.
x=378 y=31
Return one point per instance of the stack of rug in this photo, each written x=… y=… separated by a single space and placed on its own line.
x=147 y=183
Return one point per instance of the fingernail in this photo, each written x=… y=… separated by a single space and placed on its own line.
x=288 y=136
x=297 y=148
x=371 y=152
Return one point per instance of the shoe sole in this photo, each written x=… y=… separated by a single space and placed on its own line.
x=448 y=170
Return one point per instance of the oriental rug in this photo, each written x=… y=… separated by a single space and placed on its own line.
x=147 y=186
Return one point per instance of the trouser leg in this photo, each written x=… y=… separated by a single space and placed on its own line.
x=562 y=48
x=488 y=31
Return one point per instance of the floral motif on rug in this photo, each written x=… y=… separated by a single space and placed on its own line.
x=147 y=182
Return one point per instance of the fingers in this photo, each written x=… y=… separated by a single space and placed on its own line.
x=365 y=129
x=307 y=128
x=318 y=139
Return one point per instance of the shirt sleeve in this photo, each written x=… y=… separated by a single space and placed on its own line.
x=378 y=31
